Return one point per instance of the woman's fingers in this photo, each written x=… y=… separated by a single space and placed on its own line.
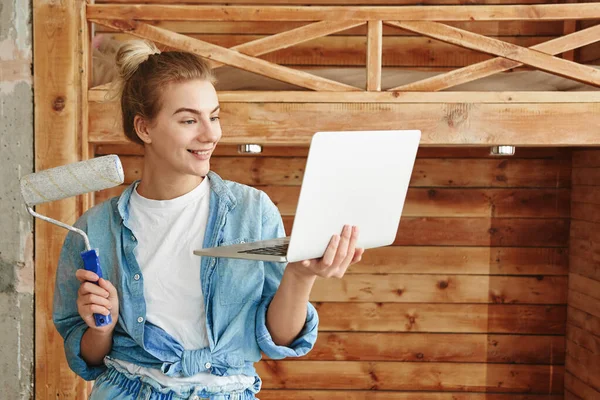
x=94 y=299
x=91 y=288
x=358 y=255
x=349 y=254
x=84 y=276
x=343 y=248
x=330 y=252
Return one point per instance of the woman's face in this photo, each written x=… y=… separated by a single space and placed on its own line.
x=186 y=130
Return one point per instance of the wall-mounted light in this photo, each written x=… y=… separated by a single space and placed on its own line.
x=502 y=151
x=249 y=149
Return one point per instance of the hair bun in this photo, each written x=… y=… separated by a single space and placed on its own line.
x=133 y=53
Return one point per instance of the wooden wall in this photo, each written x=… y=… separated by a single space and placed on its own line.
x=470 y=299
x=582 y=377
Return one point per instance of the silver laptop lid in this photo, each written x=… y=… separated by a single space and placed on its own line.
x=358 y=178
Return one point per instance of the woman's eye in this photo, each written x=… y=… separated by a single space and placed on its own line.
x=213 y=119
x=189 y=121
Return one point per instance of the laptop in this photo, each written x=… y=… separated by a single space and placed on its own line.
x=358 y=178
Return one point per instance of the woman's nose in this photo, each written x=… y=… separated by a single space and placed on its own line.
x=209 y=131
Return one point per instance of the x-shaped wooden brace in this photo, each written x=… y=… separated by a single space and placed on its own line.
x=510 y=55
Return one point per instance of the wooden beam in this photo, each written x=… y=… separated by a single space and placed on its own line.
x=357 y=13
x=98 y=94
x=342 y=2
x=534 y=58
x=58 y=42
x=488 y=28
x=350 y=51
x=374 y=55
x=500 y=64
x=569 y=26
x=225 y=56
x=442 y=124
x=292 y=37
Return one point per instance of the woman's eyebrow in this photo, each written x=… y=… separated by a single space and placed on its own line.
x=194 y=111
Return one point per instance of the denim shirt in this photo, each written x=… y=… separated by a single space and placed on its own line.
x=236 y=292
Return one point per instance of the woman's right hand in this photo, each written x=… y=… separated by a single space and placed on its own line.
x=96 y=299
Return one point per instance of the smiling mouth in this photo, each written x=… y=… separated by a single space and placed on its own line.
x=200 y=152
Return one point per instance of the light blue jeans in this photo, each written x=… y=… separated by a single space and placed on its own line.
x=120 y=385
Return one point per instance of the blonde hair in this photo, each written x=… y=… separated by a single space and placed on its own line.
x=144 y=71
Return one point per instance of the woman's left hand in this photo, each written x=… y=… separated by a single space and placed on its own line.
x=339 y=255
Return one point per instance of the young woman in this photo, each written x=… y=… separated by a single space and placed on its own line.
x=184 y=327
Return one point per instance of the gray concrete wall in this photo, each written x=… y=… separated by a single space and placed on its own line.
x=16 y=226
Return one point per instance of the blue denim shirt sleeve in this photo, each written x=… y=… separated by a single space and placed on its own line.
x=273 y=228
x=66 y=318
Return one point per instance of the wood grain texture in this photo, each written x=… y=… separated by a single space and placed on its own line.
x=58 y=45
x=442 y=318
x=412 y=376
x=442 y=124
x=583 y=317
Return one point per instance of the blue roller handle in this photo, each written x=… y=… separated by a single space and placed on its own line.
x=91 y=262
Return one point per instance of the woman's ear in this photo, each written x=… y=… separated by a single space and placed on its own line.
x=141 y=129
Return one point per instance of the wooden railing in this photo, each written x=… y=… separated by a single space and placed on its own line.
x=417 y=19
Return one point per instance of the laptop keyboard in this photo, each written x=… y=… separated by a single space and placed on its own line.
x=280 y=250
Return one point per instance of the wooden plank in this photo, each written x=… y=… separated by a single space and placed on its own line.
x=374 y=55
x=590 y=54
x=499 y=64
x=586 y=158
x=583 y=338
x=568 y=28
x=302 y=151
x=571 y=396
x=586 y=194
x=441 y=124
x=226 y=56
x=584 y=265
x=584 y=303
x=426 y=173
x=411 y=376
x=542 y=61
x=437 y=347
x=584 y=248
x=274 y=394
x=481 y=232
x=586 y=176
x=586 y=212
x=97 y=97
x=442 y=318
x=586 y=361
x=415 y=288
x=346 y=2
x=464 y=260
x=585 y=230
x=585 y=285
x=579 y=388
x=488 y=28
x=404 y=51
x=292 y=37
x=583 y=320
x=356 y=13
x=57 y=41
x=580 y=370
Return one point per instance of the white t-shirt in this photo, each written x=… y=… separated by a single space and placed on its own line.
x=167 y=233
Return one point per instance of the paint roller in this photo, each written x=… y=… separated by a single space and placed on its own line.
x=71 y=180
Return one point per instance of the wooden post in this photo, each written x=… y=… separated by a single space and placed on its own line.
x=374 y=55
x=59 y=32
